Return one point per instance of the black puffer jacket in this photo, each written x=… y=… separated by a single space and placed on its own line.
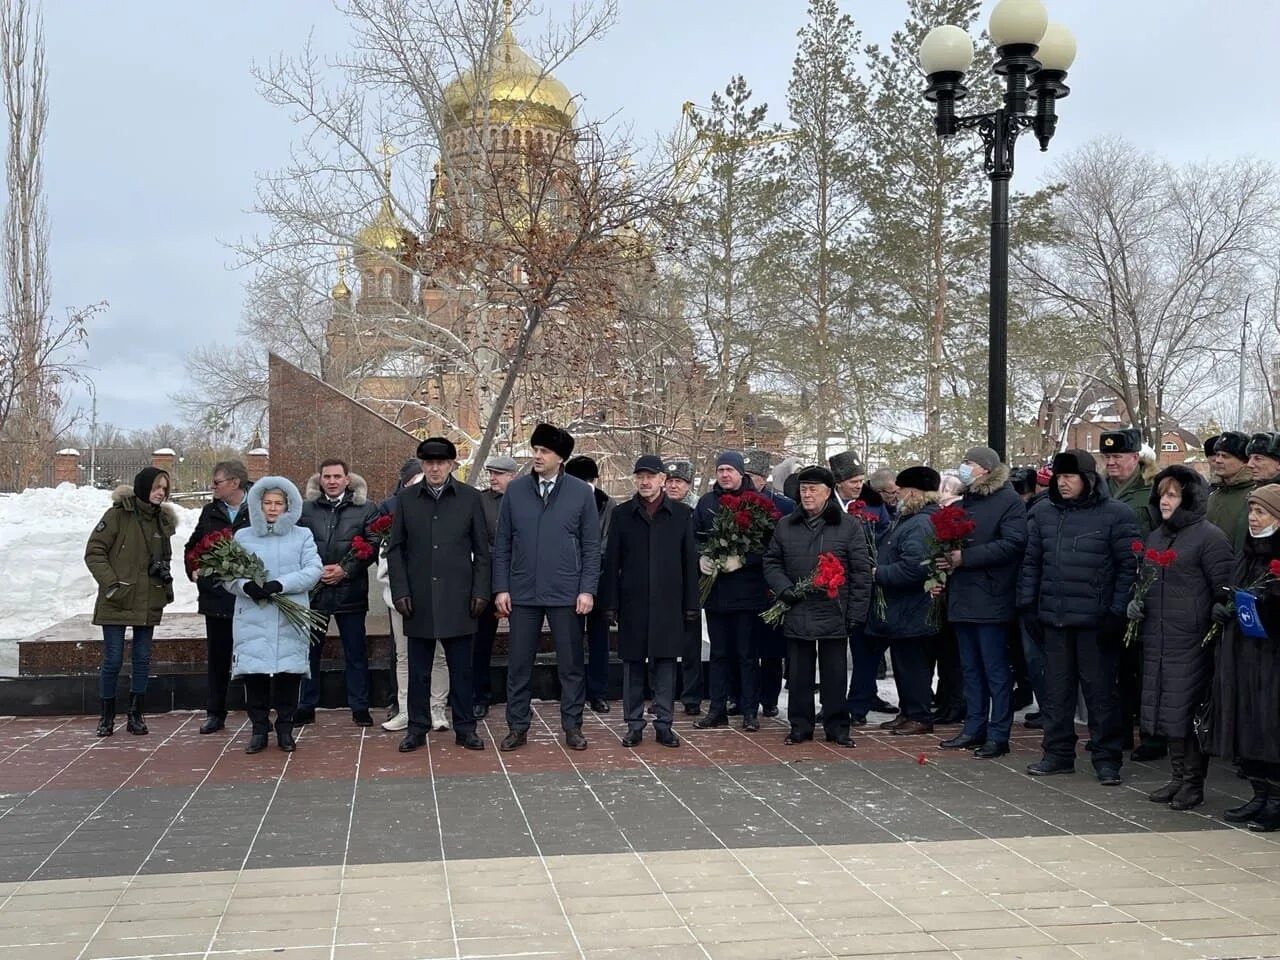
x=215 y=601
x=1176 y=667
x=1079 y=566
x=792 y=554
x=901 y=571
x=333 y=526
x=743 y=589
x=982 y=589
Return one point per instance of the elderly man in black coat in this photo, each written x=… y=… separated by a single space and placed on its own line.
x=438 y=563
x=649 y=586
x=816 y=625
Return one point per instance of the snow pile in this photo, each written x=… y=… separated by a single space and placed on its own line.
x=42 y=538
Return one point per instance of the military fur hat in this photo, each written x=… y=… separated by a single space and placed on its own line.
x=680 y=470
x=845 y=465
x=1128 y=440
x=1265 y=444
x=1233 y=443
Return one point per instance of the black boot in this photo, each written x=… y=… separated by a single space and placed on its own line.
x=1177 y=771
x=1195 y=766
x=134 y=722
x=1250 y=808
x=1268 y=817
x=107 y=721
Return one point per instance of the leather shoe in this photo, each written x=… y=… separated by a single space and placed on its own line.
x=361 y=718
x=711 y=720
x=1109 y=776
x=750 y=724
x=882 y=706
x=893 y=724
x=791 y=739
x=693 y=709
x=858 y=720
x=948 y=715
x=666 y=737
x=991 y=749
x=1035 y=722
x=769 y=711
x=469 y=741
x=284 y=739
x=257 y=743
x=841 y=740
x=598 y=705
x=213 y=723
x=912 y=728
x=632 y=738
x=303 y=716
x=513 y=740
x=411 y=742
x=1047 y=768
x=574 y=740
x=480 y=711
x=735 y=709
x=962 y=741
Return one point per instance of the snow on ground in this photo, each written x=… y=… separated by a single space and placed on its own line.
x=42 y=538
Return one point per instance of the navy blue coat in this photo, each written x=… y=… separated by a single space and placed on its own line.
x=743 y=589
x=545 y=555
x=982 y=590
x=900 y=574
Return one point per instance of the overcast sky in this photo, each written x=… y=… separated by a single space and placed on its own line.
x=156 y=131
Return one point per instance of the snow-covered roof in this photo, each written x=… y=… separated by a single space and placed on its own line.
x=68 y=452
x=258 y=452
x=164 y=452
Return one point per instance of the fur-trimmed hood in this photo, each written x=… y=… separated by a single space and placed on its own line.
x=989 y=483
x=831 y=513
x=355 y=484
x=1195 y=497
x=292 y=510
x=927 y=499
x=124 y=498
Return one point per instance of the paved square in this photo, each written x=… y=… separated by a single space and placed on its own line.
x=178 y=845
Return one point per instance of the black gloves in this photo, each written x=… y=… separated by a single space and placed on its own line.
x=272 y=587
x=404 y=607
x=477 y=606
x=792 y=595
x=1222 y=613
x=255 y=592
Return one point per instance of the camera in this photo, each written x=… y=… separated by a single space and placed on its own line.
x=160 y=571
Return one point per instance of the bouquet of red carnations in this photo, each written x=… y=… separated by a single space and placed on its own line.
x=827 y=576
x=947 y=529
x=219 y=555
x=1272 y=575
x=742 y=524
x=858 y=510
x=379 y=530
x=1150 y=563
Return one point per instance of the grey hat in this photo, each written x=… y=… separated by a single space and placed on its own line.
x=757 y=462
x=502 y=465
x=680 y=470
x=845 y=465
x=984 y=457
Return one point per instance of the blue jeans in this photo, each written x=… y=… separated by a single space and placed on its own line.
x=865 y=653
x=988 y=687
x=113 y=657
x=355 y=658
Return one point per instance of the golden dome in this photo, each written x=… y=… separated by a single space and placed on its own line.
x=386 y=233
x=340 y=290
x=518 y=90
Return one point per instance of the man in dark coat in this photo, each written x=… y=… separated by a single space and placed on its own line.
x=595 y=625
x=546 y=565
x=649 y=586
x=678 y=487
x=817 y=625
x=226 y=511
x=502 y=470
x=1228 y=508
x=980 y=600
x=770 y=643
x=438 y=564
x=336 y=508
x=1076 y=582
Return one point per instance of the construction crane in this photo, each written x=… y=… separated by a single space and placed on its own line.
x=694 y=146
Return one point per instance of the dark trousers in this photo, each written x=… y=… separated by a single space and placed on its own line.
x=1081 y=658
x=946 y=654
x=217 y=632
x=771 y=681
x=481 y=655
x=522 y=649
x=355 y=659
x=263 y=691
x=988 y=688
x=457 y=655
x=662 y=676
x=913 y=675
x=828 y=657
x=731 y=656
x=691 y=665
x=597 y=630
x=1130 y=693
x=866 y=652
x=1032 y=636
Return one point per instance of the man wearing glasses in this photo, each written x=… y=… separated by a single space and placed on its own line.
x=226 y=511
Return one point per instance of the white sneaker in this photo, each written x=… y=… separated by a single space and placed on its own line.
x=399 y=722
x=439 y=719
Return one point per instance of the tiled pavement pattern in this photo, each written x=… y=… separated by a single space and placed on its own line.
x=180 y=846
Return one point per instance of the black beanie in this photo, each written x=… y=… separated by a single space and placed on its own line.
x=145 y=480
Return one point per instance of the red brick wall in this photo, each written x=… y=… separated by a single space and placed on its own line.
x=310 y=420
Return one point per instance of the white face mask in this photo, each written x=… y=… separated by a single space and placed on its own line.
x=1264 y=532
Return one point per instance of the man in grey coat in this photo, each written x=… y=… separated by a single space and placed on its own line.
x=438 y=565
x=546 y=565
x=679 y=489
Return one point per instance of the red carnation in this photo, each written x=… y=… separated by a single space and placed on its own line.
x=381 y=524
x=743 y=519
x=361 y=548
x=731 y=501
x=1137 y=546
x=1152 y=556
x=1167 y=557
x=1273 y=568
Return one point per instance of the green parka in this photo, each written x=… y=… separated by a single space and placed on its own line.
x=119 y=554
x=1135 y=493
x=1229 y=507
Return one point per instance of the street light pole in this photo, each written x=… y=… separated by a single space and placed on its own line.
x=1034 y=56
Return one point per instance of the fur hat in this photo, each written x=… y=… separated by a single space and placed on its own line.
x=731 y=458
x=584 y=468
x=984 y=457
x=1233 y=443
x=815 y=474
x=1268 y=496
x=845 y=465
x=554 y=439
x=756 y=461
x=925 y=479
x=1079 y=462
x=437 y=448
x=680 y=470
x=1265 y=444
x=1128 y=440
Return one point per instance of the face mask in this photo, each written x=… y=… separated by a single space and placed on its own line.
x=1265 y=532
x=965 y=473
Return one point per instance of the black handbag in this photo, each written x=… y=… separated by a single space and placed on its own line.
x=1202 y=722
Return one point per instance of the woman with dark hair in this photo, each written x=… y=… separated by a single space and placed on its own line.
x=128 y=554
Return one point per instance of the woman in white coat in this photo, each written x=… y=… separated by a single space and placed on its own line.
x=269 y=653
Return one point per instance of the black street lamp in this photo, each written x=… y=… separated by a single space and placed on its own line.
x=1034 y=56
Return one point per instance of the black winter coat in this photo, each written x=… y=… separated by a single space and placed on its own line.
x=650 y=577
x=901 y=573
x=1079 y=565
x=1176 y=668
x=438 y=557
x=1245 y=720
x=792 y=554
x=333 y=526
x=214 y=600
x=982 y=589
x=743 y=589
